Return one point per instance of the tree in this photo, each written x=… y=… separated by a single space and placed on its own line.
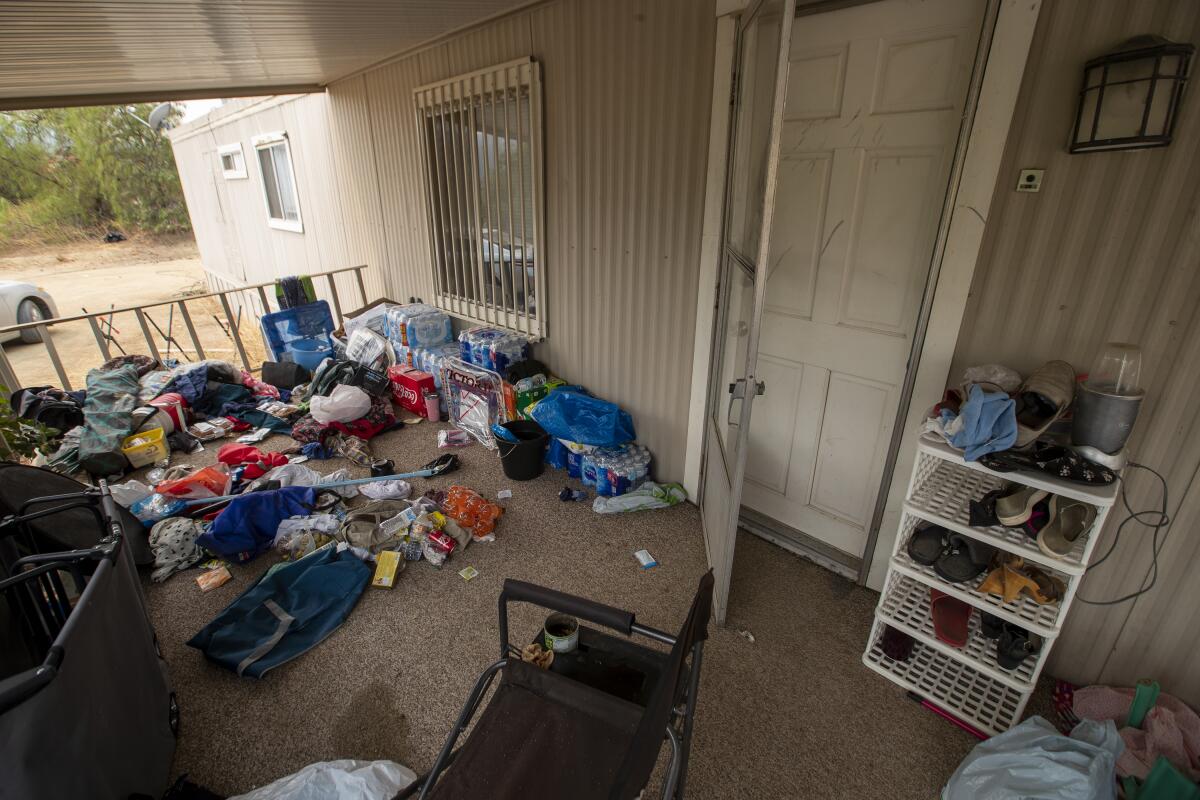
x=88 y=168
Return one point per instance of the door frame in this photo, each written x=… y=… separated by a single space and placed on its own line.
x=1003 y=51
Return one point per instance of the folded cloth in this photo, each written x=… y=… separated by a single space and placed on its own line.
x=1170 y=729
x=285 y=614
x=985 y=423
x=246 y=527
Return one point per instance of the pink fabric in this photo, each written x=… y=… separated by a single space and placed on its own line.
x=259 y=389
x=1170 y=729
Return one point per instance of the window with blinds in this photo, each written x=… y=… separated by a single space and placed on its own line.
x=481 y=139
x=279 y=181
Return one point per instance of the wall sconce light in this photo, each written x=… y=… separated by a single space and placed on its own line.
x=1130 y=97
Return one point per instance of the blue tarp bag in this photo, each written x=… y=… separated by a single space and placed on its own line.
x=247 y=526
x=285 y=614
x=577 y=417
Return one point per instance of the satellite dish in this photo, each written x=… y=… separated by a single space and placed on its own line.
x=158 y=117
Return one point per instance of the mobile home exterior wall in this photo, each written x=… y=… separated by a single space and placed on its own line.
x=626 y=107
x=1108 y=251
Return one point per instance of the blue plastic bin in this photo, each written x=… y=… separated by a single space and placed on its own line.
x=299 y=334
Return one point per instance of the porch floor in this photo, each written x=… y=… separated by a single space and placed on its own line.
x=792 y=714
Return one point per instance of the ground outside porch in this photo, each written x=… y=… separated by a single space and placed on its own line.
x=793 y=713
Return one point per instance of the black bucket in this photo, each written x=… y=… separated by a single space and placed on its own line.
x=522 y=460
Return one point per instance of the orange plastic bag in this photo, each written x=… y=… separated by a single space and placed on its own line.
x=211 y=481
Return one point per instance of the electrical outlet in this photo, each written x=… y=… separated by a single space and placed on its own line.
x=1030 y=180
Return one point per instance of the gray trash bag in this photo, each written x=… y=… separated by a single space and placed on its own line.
x=1033 y=760
x=337 y=780
x=107 y=419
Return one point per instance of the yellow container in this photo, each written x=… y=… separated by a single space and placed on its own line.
x=145 y=447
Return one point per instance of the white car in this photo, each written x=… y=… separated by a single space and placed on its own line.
x=21 y=303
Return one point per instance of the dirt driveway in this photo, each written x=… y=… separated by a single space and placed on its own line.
x=99 y=276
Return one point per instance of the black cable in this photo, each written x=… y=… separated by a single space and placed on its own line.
x=1161 y=521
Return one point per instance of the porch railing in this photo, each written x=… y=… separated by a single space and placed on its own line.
x=8 y=376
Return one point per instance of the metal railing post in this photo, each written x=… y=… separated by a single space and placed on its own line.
x=101 y=342
x=48 y=341
x=191 y=329
x=7 y=376
x=233 y=329
x=149 y=337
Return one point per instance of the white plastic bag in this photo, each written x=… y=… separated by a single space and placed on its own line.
x=1035 y=760
x=346 y=779
x=344 y=404
x=127 y=493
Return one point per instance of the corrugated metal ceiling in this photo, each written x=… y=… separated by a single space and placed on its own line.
x=81 y=52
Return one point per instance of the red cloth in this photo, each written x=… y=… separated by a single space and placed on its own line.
x=256 y=461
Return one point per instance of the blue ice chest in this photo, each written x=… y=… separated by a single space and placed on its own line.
x=299 y=334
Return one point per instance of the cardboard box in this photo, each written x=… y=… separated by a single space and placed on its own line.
x=409 y=387
x=387 y=564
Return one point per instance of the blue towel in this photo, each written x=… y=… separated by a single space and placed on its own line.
x=986 y=423
x=246 y=528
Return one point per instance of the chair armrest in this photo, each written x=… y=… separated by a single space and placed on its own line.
x=599 y=613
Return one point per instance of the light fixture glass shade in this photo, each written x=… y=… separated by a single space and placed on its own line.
x=1130 y=98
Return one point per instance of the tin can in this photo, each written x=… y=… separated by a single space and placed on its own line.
x=561 y=633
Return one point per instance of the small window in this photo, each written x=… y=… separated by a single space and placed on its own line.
x=482 y=150
x=233 y=163
x=279 y=182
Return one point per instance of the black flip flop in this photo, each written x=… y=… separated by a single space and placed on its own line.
x=927 y=544
x=964 y=558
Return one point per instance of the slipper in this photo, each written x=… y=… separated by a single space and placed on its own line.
x=951 y=618
x=963 y=559
x=1042 y=399
x=927 y=544
x=1016 y=506
x=1014 y=646
x=1069 y=519
x=1052 y=460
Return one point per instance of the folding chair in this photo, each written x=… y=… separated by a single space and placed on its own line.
x=589 y=727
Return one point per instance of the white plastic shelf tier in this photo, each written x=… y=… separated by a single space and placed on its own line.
x=1042 y=619
x=942 y=492
x=957 y=687
x=905 y=604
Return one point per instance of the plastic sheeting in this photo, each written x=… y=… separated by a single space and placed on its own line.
x=1035 y=760
x=337 y=780
x=577 y=417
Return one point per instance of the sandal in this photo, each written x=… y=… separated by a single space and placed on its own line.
x=983 y=510
x=963 y=559
x=1052 y=460
x=1048 y=588
x=1069 y=519
x=1008 y=581
x=951 y=618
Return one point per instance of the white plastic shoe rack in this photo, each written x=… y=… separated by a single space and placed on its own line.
x=967 y=682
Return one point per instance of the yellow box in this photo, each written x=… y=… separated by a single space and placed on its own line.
x=387 y=564
x=145 y=447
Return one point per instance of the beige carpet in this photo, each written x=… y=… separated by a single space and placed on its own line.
x=792 y=714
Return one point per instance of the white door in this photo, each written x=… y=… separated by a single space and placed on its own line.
x=760 y=78
x=875 y=97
